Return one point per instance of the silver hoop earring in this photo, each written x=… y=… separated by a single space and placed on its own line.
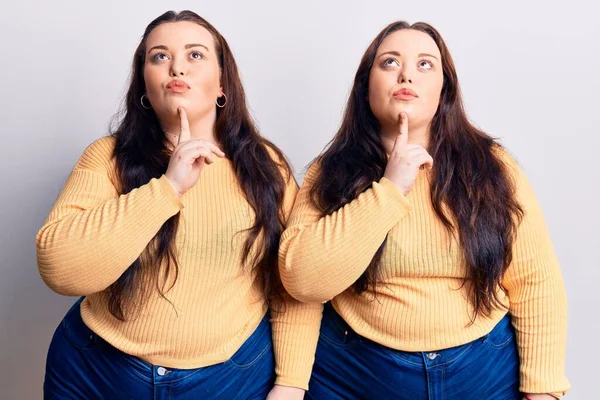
x=224 y=103
x=143 y=105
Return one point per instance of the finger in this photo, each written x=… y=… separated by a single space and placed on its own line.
x=424 y=160
x=190 y=155
x=209 y=157
x=403 y=129
x=419 y=160
x=199 y=142
x=415 y=151
x=204 y=154
x=402 y=137
x=192 y=144
x=201 y=160
x=215 y=149
x=184 y=133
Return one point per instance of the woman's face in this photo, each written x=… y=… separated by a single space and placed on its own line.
x=406 y=76
x=182 y=70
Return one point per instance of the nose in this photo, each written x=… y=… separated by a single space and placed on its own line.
x=405 y=75
x=177 y=68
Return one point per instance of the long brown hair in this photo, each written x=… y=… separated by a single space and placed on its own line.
x=469 y=176
x=141 y=154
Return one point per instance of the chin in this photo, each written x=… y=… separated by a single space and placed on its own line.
x=172 y=103
x=175 y=103
x=392 y=115
x=406 y=108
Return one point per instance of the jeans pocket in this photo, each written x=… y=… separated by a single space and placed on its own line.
x=255 y=348
x=502 y=334
x=76 y=331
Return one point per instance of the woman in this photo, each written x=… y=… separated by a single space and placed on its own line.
x=170 y=229
x=429 y=242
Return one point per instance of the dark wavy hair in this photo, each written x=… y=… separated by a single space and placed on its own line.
x=142 y=153
x=469 y=176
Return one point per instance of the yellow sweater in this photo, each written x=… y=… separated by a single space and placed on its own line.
x=421 y=302
x=93 y=234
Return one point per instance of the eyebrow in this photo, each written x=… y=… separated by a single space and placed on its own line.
x=395 y=53
x=187 y=46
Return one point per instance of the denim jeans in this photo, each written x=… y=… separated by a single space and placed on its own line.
x=349 y=366
x=81 y=365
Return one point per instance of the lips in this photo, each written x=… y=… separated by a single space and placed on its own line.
x=178 y=86
x=405 y=94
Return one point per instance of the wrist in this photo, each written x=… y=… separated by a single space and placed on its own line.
x=174 y=187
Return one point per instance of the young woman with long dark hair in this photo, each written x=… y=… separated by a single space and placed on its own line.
x=170 y=230
x=428 y=240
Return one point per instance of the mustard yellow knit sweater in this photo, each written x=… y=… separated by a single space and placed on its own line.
x=421 y=304
x=93 y=234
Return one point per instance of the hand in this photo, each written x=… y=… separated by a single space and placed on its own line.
x=538 y=396
x=285 y=393
x=406 y=159
x=189 y=157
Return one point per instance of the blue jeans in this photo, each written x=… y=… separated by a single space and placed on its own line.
x=349 y=366
x=81 y=365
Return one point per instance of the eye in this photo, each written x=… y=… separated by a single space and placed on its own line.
x=160 y=57
x=425 y=64
x=196 y=55
x=388 y=62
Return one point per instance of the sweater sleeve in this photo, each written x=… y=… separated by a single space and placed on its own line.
x=295 y=325
x=295 y=335
x=538 y=303
x=320 y=257
x=93 y=234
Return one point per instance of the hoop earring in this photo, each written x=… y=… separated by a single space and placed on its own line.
x=142 y=102
x=221 y=105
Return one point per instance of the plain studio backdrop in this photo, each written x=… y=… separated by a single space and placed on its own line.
x=529 y=75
